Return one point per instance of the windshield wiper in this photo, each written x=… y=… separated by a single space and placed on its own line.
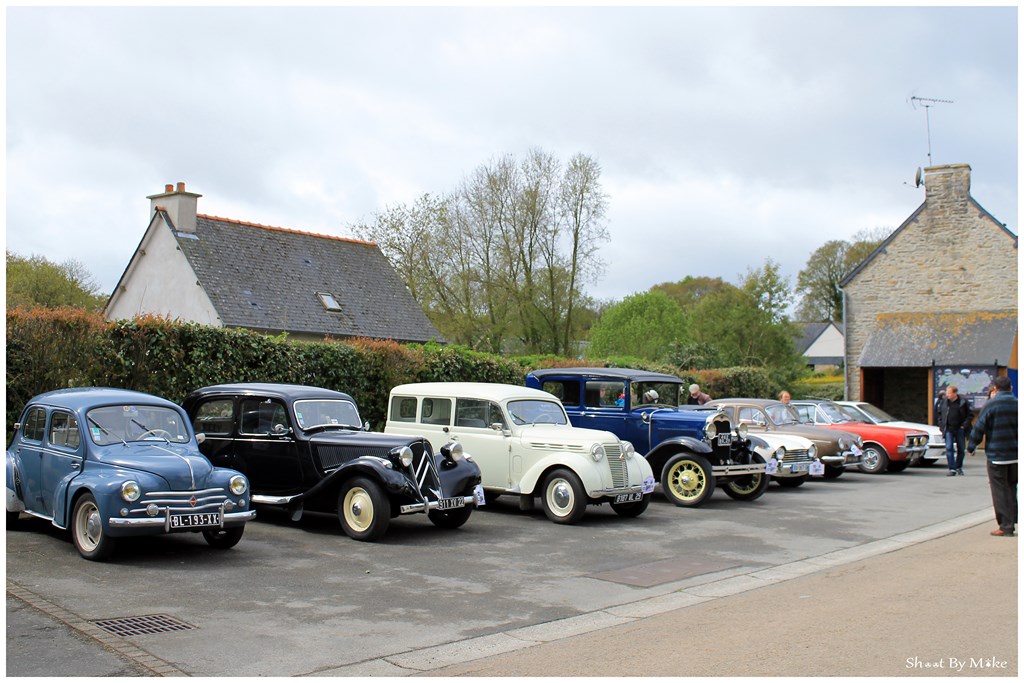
x=106 y=431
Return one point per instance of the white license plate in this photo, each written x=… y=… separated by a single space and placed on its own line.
x=800 y=466
x=629 y=497
x=451 y=503
x=725 y=439
x=201 y=519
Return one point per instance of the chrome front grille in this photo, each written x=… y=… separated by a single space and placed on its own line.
x=616 y=464
x=801 y=455
x=182 y=502
x=425 y=471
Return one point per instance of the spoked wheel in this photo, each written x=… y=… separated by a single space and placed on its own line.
x=632 y=509
x=687 y=480
x=87 y=530
x=563 y=497
x=749 y=486
x=364 y=510
x=874 y=460
x=224 y=538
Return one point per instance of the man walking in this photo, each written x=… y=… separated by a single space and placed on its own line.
x=997 y=424
x=954 y=417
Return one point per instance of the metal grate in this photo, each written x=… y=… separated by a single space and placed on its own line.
x=139 y=626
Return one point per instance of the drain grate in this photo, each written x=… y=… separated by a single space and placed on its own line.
x=138 y=626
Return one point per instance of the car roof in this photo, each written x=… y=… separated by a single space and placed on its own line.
x=479 y=390
x=812 y=400
x=759 y=402
x=87 y=397
x=617 y=373
x=291 y=392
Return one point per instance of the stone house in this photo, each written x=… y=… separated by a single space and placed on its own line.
x=934 y=304
x=822 y=346
x=230 y=273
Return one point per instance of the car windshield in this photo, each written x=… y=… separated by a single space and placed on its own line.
x=657 y=394
x=836 y=414
x=311 y=414
x=782 y=414
x=126 y=423
x=875 y=413
x=537 y=411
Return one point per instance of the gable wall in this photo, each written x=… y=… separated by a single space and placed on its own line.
x=829 y=344
x=952 y=257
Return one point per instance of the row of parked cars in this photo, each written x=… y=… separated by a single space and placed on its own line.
x=110 y=463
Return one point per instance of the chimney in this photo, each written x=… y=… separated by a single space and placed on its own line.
x=179 y=205
x=947 y=189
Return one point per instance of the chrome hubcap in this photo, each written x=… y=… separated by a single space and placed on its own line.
x=561 y=495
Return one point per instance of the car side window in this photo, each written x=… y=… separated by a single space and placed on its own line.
x=35 y=425
x=215 y=417
x=261 y=417
x=403 y=409
x=471 y=412
x=806 y=413
x=566 y=391
x=64 y=430
x=436 y=411
x=604 y=394
x=752 y=416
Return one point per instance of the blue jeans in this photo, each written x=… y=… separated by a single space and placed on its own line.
x=954 y=437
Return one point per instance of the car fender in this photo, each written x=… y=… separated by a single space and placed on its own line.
x=104 y=483
x=459 y=478
x=393 y=481
x=582 y=465
x=660 y=454
x=15 y=502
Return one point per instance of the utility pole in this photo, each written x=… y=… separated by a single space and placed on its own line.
x=928 y=103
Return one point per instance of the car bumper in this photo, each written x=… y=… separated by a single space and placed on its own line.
x=227 y=519
x=737 y=470
x=786 y=470
x=847 y=460
x=912 y=454
x=467 y=501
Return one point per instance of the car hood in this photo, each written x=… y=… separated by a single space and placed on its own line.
x=791 y=442
x=679 y=416
x=819 y=435
x=349 y=437
x=182 y=467
x=930 y=429
x=563 y=436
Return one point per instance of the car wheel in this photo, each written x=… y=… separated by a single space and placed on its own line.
x=563 y=497
x=791 y=482
x=687 y=480
x=833 y=472
x=874 y=459
x=224 y=538
x=87 y=530
x=632 y=509
x=898 y=466
x=450 y=519
x=363 y=509
x=749 y=486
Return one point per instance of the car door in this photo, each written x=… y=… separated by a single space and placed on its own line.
x=491 y=448
x=271 y=458
x=605 y=407
x=755 y=419
x=29 y=454
x=63 y=457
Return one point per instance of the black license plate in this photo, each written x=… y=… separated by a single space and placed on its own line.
x=451 y=503
x=725 y=439
x=194 y=520
x=629 y=497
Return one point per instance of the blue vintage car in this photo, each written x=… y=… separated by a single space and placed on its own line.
x=693 y=449
x=109 y=463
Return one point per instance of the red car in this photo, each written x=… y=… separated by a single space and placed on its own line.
x=886 y=449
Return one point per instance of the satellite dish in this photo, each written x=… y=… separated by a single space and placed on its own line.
x=917 y=178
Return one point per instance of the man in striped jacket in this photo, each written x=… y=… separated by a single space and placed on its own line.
x=997 y=424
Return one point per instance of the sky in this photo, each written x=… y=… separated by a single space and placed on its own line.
x=726 y=136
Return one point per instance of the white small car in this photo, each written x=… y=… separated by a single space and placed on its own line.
x=524 y=445
x=868 y=412
x=790 y=459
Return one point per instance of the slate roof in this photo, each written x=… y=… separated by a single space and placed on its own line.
x=266 y=278
x=908 y=340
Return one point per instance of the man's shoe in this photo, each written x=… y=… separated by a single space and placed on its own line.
x=951 y=473
x=1000 y=532
x=960 y=471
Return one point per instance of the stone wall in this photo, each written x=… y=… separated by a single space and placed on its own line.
x=950 y=256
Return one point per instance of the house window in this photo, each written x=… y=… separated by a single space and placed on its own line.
x=328 y=301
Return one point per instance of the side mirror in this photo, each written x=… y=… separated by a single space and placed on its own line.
x=280 y=430
x=200 y=438
x=366 y=426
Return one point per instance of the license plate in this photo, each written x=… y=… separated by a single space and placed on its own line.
x=800 y=466
x=725 y=439
x=203 y=519
x=451 y=503
x=629 y=497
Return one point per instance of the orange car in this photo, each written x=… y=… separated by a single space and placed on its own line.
x=886 y=449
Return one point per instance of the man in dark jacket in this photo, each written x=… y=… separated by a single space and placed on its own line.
x=997 y=424
x=954 y=416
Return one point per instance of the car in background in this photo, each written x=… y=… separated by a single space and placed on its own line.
x=886 y=449
x=691 y=449
x=790 y=460
x=526 y=447
x=837 y=450
x=305 y=449
x=110 y=463
x=868 y=412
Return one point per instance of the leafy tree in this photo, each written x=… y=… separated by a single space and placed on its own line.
x=770 y=290
x=818 y=282
x=36 y=281
x=690 y=289
x=644 y=325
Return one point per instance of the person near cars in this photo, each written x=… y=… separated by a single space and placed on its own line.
x=954 y=415
x=697 y=397
x=784 y=397
x=997 y=425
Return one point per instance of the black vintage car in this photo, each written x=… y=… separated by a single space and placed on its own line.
x=304 y=448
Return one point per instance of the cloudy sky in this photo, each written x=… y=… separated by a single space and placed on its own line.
x=725 y=136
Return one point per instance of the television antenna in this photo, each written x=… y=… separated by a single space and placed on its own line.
x=927 y=103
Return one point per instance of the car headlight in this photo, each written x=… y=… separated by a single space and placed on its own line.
x=404 y=454
x=627 y=449
x=597 y=452
x=453 y=451
x=843 y=443
x=780 y=453
x=238 y=485
x=710 y=431
x=742 y=430
x=813 y=452
x=859 y=441
x=130 y=491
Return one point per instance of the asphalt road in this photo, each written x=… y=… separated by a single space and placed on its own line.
x=303 y=599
